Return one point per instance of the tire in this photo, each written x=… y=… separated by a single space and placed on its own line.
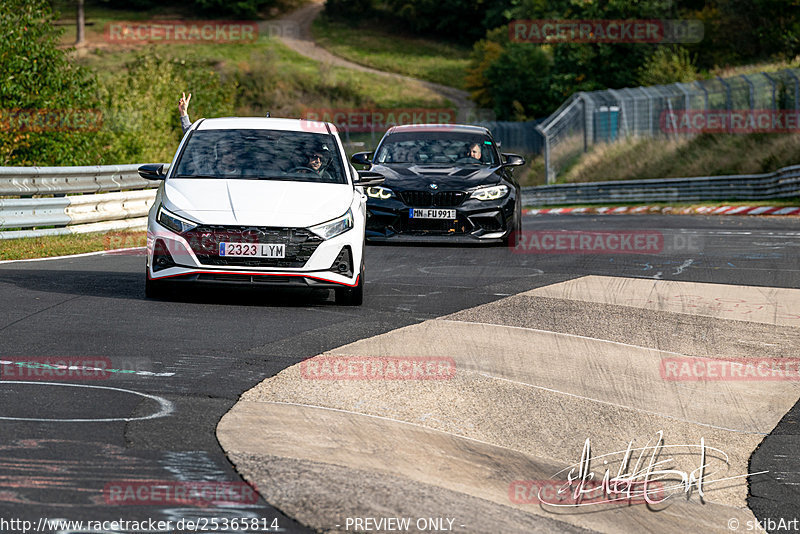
x=507 y=240
x=352 y=296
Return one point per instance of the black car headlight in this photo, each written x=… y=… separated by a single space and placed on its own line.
x=490 y=193
x=335 y=227
x=377 y=191
x=179 y=225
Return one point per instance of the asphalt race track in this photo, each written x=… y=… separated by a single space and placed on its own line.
x=70 y=444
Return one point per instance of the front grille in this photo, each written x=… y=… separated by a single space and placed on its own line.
x=448 y=199
x=417 y=199
x=460 y=225
x=300 y=245
x=440 y=199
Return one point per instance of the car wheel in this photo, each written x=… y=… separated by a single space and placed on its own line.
x=507 y=240
x=352 y=296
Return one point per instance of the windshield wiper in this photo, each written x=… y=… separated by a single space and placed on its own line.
x=195 y=176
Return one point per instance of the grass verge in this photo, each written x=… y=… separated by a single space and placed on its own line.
x=64 y=245
x=703 y=155
x=370 y=44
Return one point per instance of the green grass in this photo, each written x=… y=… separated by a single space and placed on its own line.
x=703 y=155
x=44 y=247
x=290 y=82
x=372 y=45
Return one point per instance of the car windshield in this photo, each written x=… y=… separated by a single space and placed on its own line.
x=261 y=155
x=437 y=148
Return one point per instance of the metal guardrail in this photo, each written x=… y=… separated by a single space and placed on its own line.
x=784 y=183
x=98 y=209
x=22 y=181
x=124 y=210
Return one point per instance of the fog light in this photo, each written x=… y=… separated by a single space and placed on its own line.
x=161 y=257
x=344 y=262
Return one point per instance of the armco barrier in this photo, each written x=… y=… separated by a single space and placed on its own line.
x=22 y=181
x=98 y=209
x=784 y=183
x=103 y=210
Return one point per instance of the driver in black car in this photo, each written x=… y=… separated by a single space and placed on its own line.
x=474 y=151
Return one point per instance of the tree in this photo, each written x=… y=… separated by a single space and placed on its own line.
x=49 y=104
x=80 y=26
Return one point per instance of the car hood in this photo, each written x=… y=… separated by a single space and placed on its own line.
x=412 y=177
x=256 y=202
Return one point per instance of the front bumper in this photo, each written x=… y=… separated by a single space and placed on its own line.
x=332 y=263
x=239 y=278
x=476 y=221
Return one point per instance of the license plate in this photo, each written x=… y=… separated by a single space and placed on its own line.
x=254 y=250
x=431 y=214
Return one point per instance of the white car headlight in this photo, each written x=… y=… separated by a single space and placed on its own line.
x=379 y=192
x=335 y=227
x=490 y=193
x=177 y=224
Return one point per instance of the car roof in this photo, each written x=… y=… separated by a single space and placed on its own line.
x=458 y=128
x=266 y=123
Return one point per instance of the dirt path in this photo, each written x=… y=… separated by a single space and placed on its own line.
x=304 y=44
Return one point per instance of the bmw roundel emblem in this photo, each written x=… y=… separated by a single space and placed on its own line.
x=434 y=186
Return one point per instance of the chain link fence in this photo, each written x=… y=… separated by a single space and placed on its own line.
x=669 y=111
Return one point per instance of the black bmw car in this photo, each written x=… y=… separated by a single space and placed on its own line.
x=443 y=181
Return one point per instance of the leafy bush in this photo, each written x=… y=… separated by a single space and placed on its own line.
x=349 y=9
x=238 y=8
x=36 y=76
x=668 y=65
x=141 y=107
x=510 y=78
x=460 y=21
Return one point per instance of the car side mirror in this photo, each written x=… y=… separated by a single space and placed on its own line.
x=362 y=158
x=369 y=178
x=152 y=171
x=513 y=160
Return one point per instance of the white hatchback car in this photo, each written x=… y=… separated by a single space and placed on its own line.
x=259 y=201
